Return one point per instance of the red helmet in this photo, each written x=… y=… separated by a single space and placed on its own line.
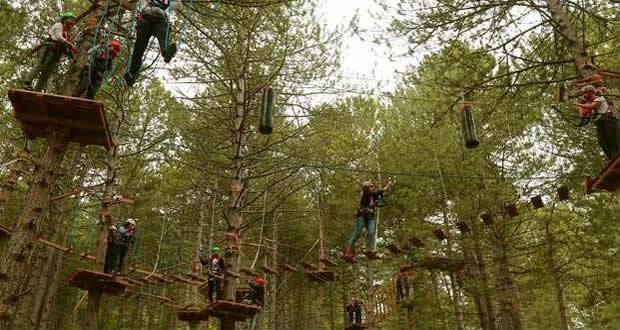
x=115 y=45
x=260 y=282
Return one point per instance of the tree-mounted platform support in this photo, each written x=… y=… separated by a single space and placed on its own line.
x=356 y=327
x=39 y=114
x=193 y=315
x=322 y=276
x=89 y=280
x=608 y=180
x=229 y=310
x=5 y=232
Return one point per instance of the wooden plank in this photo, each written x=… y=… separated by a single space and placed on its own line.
x=53 y=245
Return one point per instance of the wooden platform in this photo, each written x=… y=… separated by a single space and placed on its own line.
x=356 y=327
x=229 y=310
x=193 y=315
x=321 y=276
x=89 y=280
x=38 y=114
x=607 y=180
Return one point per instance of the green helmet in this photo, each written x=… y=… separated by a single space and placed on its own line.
x=216 y=249
x=67 y=15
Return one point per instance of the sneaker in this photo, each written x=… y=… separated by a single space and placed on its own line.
x=170 y=52
x=129 y=79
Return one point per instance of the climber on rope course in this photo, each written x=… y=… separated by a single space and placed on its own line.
x=256 y=296
x=594 y=106
x=371 y=198
x=354 y=310
x=215 y=268
x=91 y=77
x=112 y=253
x=58 y=42
x=127 y=234
x=153 y=20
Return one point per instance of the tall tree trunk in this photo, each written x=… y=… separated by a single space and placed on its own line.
x=237 y=190
x=553 y=269
x=483 y=283
x=507 y=294
x=437 y=299
x=15 y=272
x=456 y=302
x=18 y=168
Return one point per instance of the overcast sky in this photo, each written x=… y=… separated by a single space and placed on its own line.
x=363 y=62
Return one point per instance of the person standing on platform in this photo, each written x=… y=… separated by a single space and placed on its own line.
x=127 y=235
x=215 y=267
x=51 y=50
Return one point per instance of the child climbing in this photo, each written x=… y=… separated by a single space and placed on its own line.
x=595 y=106
x=371 y=198
x=215 y=267
x=404 y=285
x=111 y=254
x=101 y=58
x=153 y=20
x=51 y=50
x=256 y=296
x=354 y=310
x=127 y=235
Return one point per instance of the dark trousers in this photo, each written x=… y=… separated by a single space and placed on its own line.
x=111 y=257
x=608 y=137
x=149 y=26
x=90 y=82
x=400 y=291
x=214 y=290
x=49 y=57
x=122 y=253
x=355 y=316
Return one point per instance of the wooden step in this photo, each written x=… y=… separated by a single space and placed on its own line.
x=39 y=114
x=193 y=315
x=321 y=276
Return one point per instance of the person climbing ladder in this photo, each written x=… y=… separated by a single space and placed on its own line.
x=354 y=310
x=595 y=106
x=100 y=59
x=215 y=268
x=371 y=198
x=51 y=51
x=153 y=20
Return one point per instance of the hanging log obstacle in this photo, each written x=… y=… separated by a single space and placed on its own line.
x=229 y=310
x=321 y=276
x=193 y=315
x=38 y=114
x=89 y=280
x=607 y=180
x=468 y=126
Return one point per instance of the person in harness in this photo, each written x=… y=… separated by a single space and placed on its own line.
x=51 y=50
x=354 y=310
x=371 y=198
x=101 y=58
x=595 y=107
x=153 y=20
x=215 y=268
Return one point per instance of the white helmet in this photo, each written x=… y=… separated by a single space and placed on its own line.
x=367 y=184
x=131 y=221
x=113 y=227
